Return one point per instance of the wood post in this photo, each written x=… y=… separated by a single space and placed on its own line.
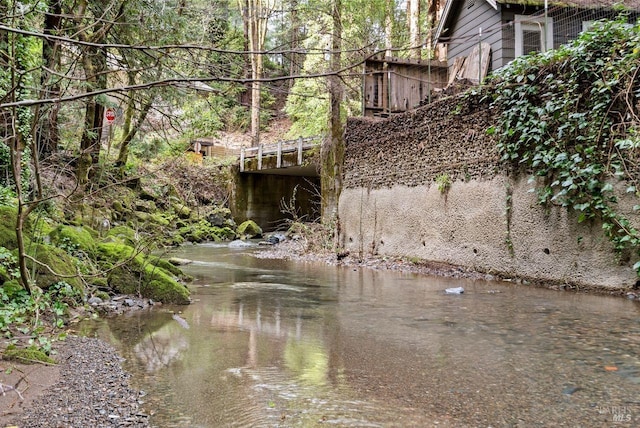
x=279 y=155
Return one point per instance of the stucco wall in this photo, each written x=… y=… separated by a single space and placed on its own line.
x=391 y=205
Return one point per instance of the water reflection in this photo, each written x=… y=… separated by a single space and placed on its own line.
x=157 y=350
x=276 y=343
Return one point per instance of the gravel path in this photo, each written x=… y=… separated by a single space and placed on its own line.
x=92 y=391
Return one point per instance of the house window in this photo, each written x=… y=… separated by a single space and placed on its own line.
x=533 y=34
x=587 y=25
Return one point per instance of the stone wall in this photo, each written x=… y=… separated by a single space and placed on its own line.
x=487 y=221
x=414 y=148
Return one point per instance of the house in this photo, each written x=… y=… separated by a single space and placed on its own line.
x=394 y=85
x=511 y=28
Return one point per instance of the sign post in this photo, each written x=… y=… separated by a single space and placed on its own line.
x=110 y=116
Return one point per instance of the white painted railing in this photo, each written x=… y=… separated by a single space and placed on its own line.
x=289 y=146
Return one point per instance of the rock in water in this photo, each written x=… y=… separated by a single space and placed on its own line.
x=456 y=290
x=239 y=243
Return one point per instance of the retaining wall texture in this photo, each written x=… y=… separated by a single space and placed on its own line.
x=390 y=203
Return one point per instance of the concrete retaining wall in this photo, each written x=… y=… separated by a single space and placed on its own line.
x=391 y=204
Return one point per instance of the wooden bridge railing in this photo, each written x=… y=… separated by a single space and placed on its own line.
x=289 y=146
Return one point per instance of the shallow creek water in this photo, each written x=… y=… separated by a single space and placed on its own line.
x=273 y=343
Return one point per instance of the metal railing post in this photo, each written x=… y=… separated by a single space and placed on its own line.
x=259 y=157
x=300 y=151
x=242 y=160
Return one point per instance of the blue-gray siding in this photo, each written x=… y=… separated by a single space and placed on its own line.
x=498 y=30
x=473 y=15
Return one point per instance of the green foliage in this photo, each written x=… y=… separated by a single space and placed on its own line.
x=8 y=266
x=443 y=181
x=36 y=314
x=7 y=196
x=571 y=117
x=7 y=182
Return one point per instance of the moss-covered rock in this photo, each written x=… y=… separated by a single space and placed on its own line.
x=249 y=229
x=124 y=234
x=181 y=210
x=8 y=216
x=117 y=206
x=145 y=206
x=221 y=217
x=169 y=267
x=100 y=282
x=199 y=232
x=104 y=296
x=173 y=239
x=141 y=216
x=160 y=219
x=54 y=265
x=11 y=288
x=224 y=232
x=27 y=355
x=79 y=236
x=134 y=273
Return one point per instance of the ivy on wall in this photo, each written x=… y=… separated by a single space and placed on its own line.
x=571 y=117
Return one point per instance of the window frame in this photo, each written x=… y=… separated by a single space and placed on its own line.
x=533 y=23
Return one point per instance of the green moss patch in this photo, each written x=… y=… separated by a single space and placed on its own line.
x=8 y=216
x=135 y=273
x=27 y=355
x=249 y=229
x=53 y=259
x=78 y=236
x=124 y=234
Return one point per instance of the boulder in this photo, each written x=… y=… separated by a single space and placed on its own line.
x=249 y=229
x=136 y=274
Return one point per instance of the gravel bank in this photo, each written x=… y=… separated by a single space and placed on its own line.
x=92 y=391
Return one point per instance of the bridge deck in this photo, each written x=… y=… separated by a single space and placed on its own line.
x=288 y=157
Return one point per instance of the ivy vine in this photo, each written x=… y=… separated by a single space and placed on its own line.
x=571 y=117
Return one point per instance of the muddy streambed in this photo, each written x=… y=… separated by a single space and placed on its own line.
x=272 y=343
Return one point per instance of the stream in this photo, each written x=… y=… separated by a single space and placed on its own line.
x=275 y=343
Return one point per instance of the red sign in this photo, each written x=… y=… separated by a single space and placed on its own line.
x=110 y=115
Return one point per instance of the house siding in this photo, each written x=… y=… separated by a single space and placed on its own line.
x=498 y=29
x=464 y=36
x=567 y=25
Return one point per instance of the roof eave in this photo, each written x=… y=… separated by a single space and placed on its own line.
x=446 y=16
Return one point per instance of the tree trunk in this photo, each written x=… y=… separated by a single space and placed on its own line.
x=94 y=63
x=18 y=140
x=131 y=131
x=255 y=46
x=295 y=60
x=388 y=28
x=414 y=29
x=245 y=96
x=46 y=131
x=332 y=153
